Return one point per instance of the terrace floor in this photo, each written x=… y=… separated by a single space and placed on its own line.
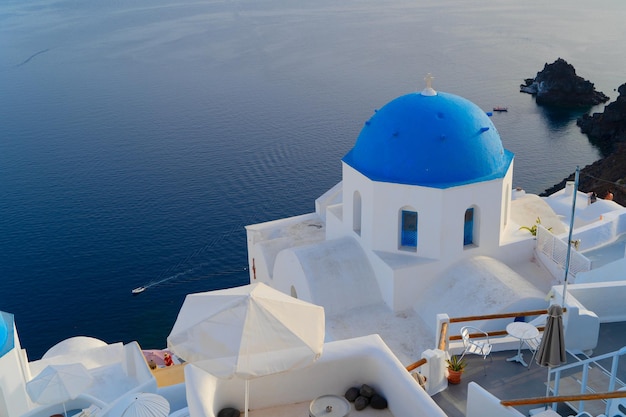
x=302 y=409
x=511 y=380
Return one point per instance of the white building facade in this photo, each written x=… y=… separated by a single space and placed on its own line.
x=427 y=184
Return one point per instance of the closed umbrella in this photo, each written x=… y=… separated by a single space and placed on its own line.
x=551 y=350
x=248 y=332
x=139 y=404
x=59 y=383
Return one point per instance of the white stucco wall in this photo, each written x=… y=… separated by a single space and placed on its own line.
x=440 y=214
x=615 y=271
x=481 y=403
x=14 y=400
x=345 y=363
x=335 y=274
x=266 y=240
x=289 y=276
x=605 y=299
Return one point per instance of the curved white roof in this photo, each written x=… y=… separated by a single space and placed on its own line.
x=73 y=345
x=492 y=287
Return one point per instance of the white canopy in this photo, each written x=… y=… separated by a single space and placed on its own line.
x=247 y=331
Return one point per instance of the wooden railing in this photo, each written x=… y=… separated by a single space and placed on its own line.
x=564 y=398
x=524 y=401
x=489 y=317
x=416 y=365
x=498 y=316
x=443 y=337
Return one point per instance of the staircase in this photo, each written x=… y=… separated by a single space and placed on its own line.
x=587 y=376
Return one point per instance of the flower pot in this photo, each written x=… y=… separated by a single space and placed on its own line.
x=454 y=377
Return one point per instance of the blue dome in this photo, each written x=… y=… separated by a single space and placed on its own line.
x=439 y=140
x=6 y=333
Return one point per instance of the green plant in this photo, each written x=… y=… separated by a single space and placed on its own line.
x=456 y=363
x=533 y=229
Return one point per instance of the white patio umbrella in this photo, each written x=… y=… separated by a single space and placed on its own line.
x=139 y=404
x=248 y=332
x=59 y=383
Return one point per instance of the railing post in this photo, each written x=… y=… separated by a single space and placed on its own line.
x=441 y=319
x=435 y=371
x=583 y=385
x=614 y=365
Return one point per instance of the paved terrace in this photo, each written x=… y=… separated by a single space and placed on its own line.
x=510 y=380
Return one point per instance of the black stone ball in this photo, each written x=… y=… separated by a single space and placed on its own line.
x=367 y=391
x=361 y=402
x=351 y=394
x=378 y=402
x=229 y=412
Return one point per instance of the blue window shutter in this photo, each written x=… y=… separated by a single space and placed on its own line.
x=468 y=230
x=409 y=228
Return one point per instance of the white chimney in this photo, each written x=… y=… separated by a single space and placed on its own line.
x=569 y=187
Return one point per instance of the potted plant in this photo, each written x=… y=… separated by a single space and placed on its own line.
x=456 y=366
x=533 y=229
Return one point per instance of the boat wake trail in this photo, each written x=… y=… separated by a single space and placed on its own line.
x=171 y=277
x=27 y=60
x=141 y=289
x=187 y=272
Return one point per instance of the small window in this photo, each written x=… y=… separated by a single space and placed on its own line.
x=356 y=213
x=468 y=230
x=408 y=237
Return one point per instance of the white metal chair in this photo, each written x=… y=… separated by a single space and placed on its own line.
x=476 y=341
x=533 y=346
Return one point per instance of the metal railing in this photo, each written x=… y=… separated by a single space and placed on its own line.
x=555 y=250
x=585 y=364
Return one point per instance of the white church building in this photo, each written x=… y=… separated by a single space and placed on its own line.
x=426 y=219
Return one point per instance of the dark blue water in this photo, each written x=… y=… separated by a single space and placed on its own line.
x=138 y=138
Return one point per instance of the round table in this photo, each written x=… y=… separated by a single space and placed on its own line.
x=329 y=406
x=522 y=331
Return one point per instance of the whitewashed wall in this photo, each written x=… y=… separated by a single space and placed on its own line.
x=343 y=364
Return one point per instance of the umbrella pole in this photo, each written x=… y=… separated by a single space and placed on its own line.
x=64 y=410
x=569 y=238
x=246 y=398
x=548 y=389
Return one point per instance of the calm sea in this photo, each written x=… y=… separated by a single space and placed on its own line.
x=137 y=138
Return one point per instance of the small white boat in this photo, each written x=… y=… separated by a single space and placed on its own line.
x=138 y=290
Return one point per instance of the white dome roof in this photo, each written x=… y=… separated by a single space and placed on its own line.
x=74 y=344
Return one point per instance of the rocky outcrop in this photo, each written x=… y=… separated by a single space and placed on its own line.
x=609 y=127
x=558 y=85
x=603 y=175
x=607 y=130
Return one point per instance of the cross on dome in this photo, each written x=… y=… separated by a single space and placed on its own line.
x=429 y=80
x=429 y=91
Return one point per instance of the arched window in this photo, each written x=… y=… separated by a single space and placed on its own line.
x=408 y=229
x=468 y=227
x=356 y=213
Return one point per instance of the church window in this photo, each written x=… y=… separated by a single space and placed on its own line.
x=468 y=229
x=356 y=213
x=408 y=235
